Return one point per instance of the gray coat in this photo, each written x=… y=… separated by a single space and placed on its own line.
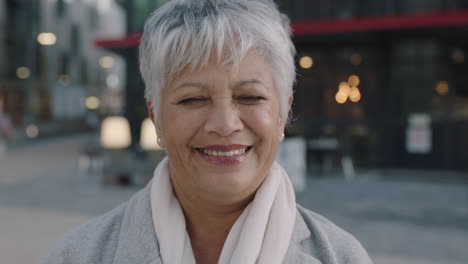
x=126 y=235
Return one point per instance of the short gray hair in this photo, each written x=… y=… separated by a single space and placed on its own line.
x=185 y=34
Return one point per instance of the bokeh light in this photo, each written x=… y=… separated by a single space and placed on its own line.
x=46 y=38
x=306 y=62
x=344 y=88
x=355 y=59
x=353 y=80
x=32 y=131
x=23 y=72
x=341 y=97
x=442 y=87
x=106 y=62
x=92 y=103
x=458 y=56
x=355 y=95
x=64 y=79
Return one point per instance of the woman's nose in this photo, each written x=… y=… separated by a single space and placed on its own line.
x=224 y=119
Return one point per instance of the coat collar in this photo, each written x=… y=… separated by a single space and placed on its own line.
x=296 y=253
x=138 y=242
x=137 y=239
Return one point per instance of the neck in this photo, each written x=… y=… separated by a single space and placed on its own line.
x=208 y=223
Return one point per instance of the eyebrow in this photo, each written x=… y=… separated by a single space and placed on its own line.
x=245 y=82
x=205 y=86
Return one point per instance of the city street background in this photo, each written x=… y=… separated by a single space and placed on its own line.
x=399 y=218
x=381 y=90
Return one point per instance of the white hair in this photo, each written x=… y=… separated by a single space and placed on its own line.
x=186 y=34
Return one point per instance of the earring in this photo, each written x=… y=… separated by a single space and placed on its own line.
x=282 y=137
x=159 y=141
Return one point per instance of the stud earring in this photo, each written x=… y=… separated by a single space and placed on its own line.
x=282 y=137
x=159 y=141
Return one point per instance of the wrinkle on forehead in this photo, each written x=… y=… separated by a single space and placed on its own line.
x=238 y=74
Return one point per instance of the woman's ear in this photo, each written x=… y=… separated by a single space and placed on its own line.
x=150 y=107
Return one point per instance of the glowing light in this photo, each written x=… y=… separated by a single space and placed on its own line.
x=458 y=56
x=46 y=38
x=353 y=80
x=23 y=72
x=148 y=138
x=344 y=88
x=106 y=62
x=355 y=95
x=355 y=59
x=341 y=97
x=306 y=62
x=115 y=133
x=92 y=102
x=32 y=131
x=442 y=87
x=343 y=84
x=64 y=79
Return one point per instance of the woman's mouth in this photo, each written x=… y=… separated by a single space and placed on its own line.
x=224 y=154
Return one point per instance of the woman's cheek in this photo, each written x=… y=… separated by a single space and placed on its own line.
x=186 y=120
x=260 y=118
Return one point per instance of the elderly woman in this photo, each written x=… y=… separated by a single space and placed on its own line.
x=219 y=77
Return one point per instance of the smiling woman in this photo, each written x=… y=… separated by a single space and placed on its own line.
x=219 y=77
x=209 y=114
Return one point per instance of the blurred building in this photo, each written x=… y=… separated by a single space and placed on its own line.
x=401 y=66
x=134 y=106
x=50 y=65
x=411 y=108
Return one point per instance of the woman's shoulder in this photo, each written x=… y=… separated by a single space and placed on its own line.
x=326 y=241
x=101 y=238
x=89 y=241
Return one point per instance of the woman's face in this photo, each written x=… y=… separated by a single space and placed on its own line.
x=221 y=129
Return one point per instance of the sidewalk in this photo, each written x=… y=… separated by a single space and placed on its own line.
x=397 y=222
x=42 y=194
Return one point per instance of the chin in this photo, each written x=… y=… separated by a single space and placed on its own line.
x=232 y=184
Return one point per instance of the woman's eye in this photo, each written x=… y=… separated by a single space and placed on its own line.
x=192 y=100
x=250 y=99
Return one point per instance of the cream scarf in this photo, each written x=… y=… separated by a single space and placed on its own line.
x=260 y=235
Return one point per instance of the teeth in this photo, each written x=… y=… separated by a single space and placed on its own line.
x=222 y=153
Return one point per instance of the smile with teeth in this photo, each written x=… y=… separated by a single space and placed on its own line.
x=223 y=153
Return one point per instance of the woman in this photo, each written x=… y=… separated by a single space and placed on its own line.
x=219 y=77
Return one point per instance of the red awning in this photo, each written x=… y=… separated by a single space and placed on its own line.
x=128 y=41
x=333 y=26
x=381 y=23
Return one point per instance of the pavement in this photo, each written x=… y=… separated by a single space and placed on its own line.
x=398 y=219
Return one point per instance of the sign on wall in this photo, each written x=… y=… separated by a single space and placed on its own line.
x=419 y=134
